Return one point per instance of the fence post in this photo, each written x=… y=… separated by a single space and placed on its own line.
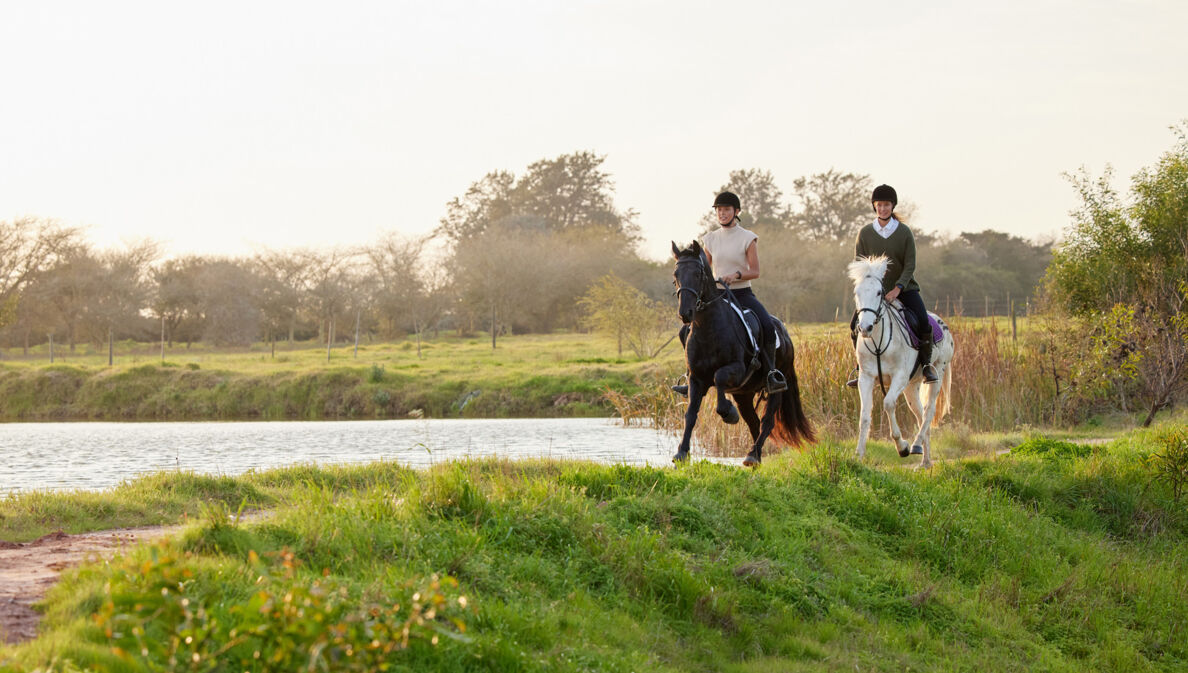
x=1014 y=328
x=51 y=342
x=110 y=349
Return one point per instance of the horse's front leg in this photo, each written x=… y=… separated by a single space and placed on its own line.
x=898 y=382
x=912 y=395
x=728 y=378
x=746 y=408
x=866 y=384
x=697 y=390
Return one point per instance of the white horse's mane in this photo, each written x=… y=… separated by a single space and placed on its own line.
x=868 y=267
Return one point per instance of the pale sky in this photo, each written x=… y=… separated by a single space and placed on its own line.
x=224 y=127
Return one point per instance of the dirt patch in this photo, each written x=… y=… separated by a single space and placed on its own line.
x=28 y=570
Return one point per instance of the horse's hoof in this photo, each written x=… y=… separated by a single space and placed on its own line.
x=904 y=451
x=681 y=457
x=917 y=450
x=731 y=417
x=752 y=460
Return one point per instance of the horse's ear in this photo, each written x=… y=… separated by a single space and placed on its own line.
x=676 y=252
x=697 y=247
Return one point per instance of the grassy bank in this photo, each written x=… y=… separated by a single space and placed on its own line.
x=1058 y=557
x=526 y=376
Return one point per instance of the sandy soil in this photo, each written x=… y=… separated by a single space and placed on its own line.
x=28 y=570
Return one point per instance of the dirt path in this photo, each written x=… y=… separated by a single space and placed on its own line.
x=28 y=570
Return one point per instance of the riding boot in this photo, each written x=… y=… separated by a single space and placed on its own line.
x=925 y=357
x=776 y=383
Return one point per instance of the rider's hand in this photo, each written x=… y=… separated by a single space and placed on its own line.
x=726 y=280
x=893 y=293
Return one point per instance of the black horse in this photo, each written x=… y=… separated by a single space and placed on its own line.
x=720 y=354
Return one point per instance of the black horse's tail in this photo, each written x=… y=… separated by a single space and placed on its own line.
x=791 y=425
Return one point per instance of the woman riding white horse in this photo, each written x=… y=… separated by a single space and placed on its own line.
x=885 y=353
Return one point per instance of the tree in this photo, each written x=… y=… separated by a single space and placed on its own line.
x=762 y=201
x=1126 y=263
x=27 y=246
x=834 y=206
x=568 y=193
x=614 y=307
x=286 y=277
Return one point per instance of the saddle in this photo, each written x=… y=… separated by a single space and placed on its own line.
x=913 y=325
x=755 y=337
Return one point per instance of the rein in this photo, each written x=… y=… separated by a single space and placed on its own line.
x=879 y=346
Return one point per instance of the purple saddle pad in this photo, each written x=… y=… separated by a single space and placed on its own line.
x=938 y=334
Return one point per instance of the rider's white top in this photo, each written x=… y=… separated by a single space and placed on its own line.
x=727 y=247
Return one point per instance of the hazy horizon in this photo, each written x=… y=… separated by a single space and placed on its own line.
x=230 y=126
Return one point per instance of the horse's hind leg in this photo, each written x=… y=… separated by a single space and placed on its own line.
x=925 y=437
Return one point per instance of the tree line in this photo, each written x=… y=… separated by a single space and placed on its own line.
x=512 y=254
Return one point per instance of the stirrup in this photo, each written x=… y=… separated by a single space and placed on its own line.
x=776 y=383
x=929 y=374
x=853 y=381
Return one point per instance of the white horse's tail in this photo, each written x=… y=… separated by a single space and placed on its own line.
x=942 y=400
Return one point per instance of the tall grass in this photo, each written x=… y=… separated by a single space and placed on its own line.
x=998 y=385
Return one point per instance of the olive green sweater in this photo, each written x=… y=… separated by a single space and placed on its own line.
x=900 y=248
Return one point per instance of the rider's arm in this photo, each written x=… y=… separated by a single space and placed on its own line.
x=752 y=270
x=909 y=262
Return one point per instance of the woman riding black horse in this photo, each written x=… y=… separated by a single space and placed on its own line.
x=891 y=238
x=733 y=254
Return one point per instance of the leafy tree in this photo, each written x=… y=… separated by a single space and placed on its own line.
x=27 y=246
x=1130 y=259
x=613 y=306
x=834 y=206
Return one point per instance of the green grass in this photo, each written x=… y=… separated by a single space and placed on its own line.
x=526 y=376
x=815 y=562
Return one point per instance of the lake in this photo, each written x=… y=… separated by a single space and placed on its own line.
x=57 y=456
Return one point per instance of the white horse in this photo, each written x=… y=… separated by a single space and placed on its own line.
x=884 y=353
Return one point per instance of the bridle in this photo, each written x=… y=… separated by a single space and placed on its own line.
x=879 y=346
x=704 y=278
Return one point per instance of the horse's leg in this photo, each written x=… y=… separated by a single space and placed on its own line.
x=925 y=437
x=899 y=381
x=912 y=395
x=696 y=394
x=769 y=411
x=728 y=378
x=746 y=407
x=866 y=383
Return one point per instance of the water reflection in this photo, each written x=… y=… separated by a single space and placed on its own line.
x=101 y=455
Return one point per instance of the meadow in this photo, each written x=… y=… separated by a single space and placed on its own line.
x=1057 y=556
x=1001 y=381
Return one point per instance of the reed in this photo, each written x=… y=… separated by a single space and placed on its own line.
x=1000 y=384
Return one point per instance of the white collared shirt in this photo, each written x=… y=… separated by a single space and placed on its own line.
x=886 y=231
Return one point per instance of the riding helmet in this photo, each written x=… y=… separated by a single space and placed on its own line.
x=885 y=193
x=728 y=199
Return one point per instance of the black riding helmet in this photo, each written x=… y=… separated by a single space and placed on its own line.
x=884 y=193
x=728 y=199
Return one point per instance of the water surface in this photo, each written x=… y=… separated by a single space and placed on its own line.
x=101 y=455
